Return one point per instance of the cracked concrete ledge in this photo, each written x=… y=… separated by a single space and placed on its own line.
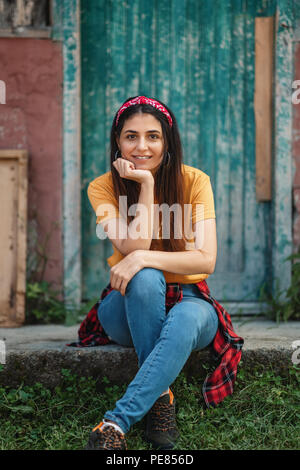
x=38 y=353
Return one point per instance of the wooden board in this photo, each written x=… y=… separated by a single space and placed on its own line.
x=13 y=229
x=264 y=33
x=25 y=18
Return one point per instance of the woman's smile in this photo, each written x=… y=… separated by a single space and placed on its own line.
x=141 y=157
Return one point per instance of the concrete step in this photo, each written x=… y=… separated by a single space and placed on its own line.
x=38 y=353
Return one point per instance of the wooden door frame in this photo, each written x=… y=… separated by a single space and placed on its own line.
x=13 y=306
x=66 y=27
x=282 y=245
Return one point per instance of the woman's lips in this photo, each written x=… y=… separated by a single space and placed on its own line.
x=141 y=158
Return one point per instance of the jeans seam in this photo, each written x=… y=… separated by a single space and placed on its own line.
x=143 y=379
x=148 y=370
x=128 y=316
x=199 y=349
x=105 y=330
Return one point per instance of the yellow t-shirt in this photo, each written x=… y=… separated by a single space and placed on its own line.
x=197 y=192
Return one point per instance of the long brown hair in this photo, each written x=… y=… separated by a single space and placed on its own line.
x=168 y=180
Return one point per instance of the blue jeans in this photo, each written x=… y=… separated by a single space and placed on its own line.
x=163 y=343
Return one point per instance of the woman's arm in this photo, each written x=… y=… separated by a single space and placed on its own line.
x=138 y=234
x=145 y=220
x=180 y=262
x=202 y=260
x=123 y=236
x=199 y=261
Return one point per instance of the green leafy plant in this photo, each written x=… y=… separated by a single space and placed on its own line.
x=287 y=307
x=262 y=413
x=44 y=304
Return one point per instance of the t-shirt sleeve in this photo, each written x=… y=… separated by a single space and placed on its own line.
x=103 y=201
x=203 y=206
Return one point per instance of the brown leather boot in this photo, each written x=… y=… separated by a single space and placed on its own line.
x=107 y=438
x=161 y=428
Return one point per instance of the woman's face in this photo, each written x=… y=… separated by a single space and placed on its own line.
x=142 y=136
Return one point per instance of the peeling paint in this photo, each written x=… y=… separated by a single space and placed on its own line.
x=282 y=203
x=210 y=90
x=72 y=152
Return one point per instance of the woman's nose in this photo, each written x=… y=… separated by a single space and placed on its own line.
x=141 y=143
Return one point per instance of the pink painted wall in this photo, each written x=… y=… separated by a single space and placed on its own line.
x=296 y=156
x=32 y=119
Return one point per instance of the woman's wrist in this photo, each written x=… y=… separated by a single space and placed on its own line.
x=148 y=182
x=142 y=257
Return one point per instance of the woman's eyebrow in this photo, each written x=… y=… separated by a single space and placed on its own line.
x=135 y=132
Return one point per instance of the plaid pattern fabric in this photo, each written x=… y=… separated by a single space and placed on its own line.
x=226 y=346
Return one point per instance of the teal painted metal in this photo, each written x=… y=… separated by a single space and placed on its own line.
x=197 y=57
x=261 y=7
x=71 y=152
x=56 y=20
x=296 y=20
x=282 y=199
x=65 y=16
x=96 y=115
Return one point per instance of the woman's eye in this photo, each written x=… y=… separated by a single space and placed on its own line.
x=153 y=136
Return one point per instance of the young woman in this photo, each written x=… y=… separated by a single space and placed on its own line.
x=157 y=299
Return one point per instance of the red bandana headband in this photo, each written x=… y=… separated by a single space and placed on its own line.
x=144 y=99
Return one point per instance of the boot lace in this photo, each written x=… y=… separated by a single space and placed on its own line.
x=163 y=417
x=109 y=438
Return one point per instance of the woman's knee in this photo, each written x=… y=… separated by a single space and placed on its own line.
x=112 y=316
x=197 y=326
x=207 y=327
x=180 y=329
x=146 y=281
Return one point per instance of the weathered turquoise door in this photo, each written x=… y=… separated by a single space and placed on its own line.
x=198 y=57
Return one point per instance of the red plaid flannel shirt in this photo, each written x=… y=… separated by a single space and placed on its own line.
x=226 y=346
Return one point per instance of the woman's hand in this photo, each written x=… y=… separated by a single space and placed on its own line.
x=126 y=169
x=122 y=272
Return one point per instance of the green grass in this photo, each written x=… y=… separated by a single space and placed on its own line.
x=263 y=413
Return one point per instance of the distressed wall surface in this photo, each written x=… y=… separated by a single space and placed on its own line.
x=32 y=119
x=296 y=155
x=198 y=58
